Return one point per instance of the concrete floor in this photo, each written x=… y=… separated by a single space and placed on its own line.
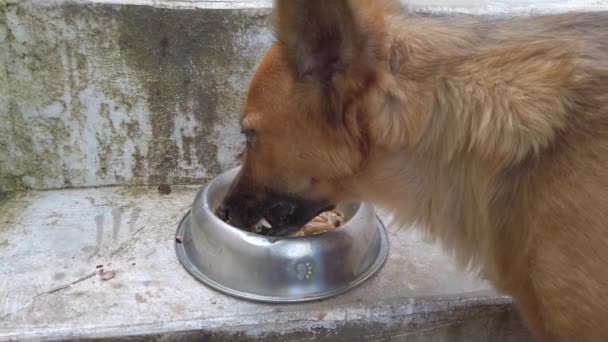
x=51 y=238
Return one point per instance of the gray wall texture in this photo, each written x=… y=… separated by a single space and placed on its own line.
x=105 y=92
x=99 y=94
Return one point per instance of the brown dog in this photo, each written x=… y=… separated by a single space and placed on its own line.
x=494 y=135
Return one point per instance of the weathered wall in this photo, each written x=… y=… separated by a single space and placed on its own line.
x=101 y=94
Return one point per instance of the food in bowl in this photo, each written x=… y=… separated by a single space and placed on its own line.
x=322 y=223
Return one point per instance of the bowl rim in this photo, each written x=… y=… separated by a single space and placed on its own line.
x=205 y=195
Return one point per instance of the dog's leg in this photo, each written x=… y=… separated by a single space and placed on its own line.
x=565 y=299
x=527 y=302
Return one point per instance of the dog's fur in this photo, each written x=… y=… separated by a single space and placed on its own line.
x=493 y=134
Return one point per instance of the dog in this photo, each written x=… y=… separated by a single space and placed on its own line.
x=491 y=134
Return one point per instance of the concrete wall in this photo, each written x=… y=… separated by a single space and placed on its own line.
x=141 y=91
x=98 y=94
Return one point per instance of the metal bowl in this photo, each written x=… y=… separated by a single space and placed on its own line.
x=267 y=269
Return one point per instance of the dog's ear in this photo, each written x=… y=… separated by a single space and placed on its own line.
x=319 y=37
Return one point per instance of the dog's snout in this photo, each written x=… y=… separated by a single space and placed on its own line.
x=222 y=212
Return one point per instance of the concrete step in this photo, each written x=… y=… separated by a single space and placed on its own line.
x=52 y=238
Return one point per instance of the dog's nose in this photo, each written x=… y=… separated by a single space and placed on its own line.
x=222 y=212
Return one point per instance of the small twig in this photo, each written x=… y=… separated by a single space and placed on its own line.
x=139 y=230
x=90 y=275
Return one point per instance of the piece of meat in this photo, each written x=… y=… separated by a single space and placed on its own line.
x=322 y=223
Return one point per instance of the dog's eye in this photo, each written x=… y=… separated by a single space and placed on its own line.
x=249 y=136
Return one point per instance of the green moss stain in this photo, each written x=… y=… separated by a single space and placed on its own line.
x=11 y=184
x=132 y=128
x=12 y=208
x=32 y=79
x=27 y=160
x=184 y=59
x=181 y=61
x=18 y=87
x=138 y=168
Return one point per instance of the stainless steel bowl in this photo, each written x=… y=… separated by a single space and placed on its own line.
x=267 y=269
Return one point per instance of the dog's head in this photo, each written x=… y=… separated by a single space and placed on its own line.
x=304 y=121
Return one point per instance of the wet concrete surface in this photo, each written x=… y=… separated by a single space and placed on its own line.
x=52 y=238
